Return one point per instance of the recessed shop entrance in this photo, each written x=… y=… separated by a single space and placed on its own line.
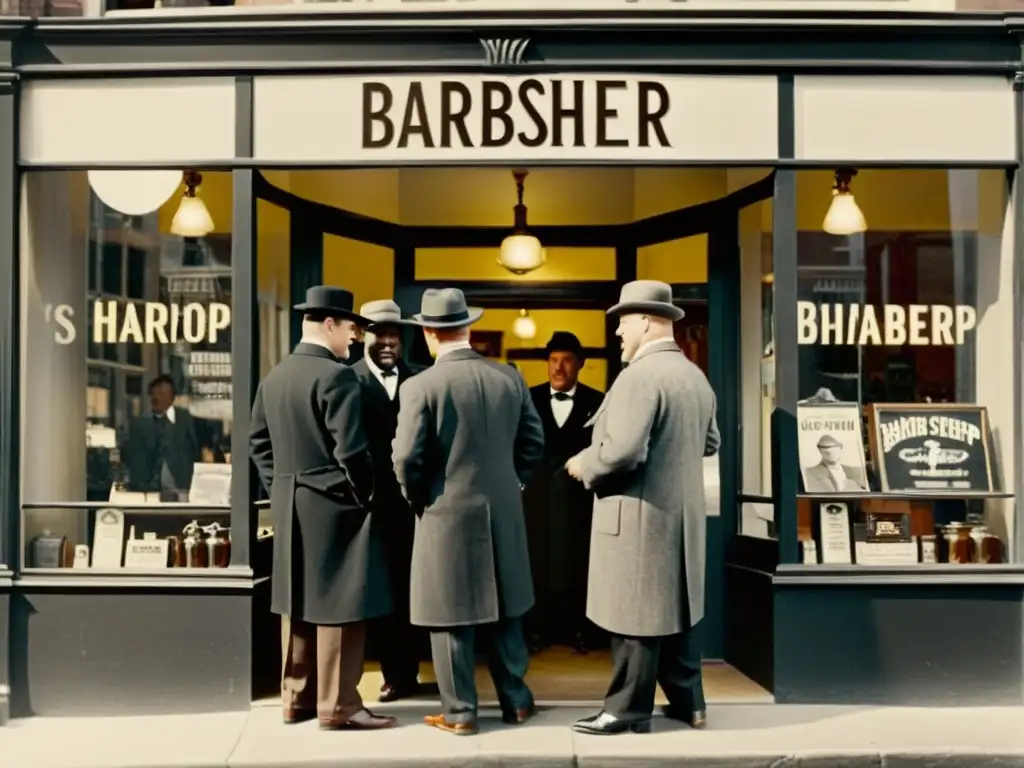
x=395 y=234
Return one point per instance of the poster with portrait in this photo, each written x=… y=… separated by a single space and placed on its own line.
x=831 y=448
x=932 y=447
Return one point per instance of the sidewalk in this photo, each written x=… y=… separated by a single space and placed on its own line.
x=738 y=736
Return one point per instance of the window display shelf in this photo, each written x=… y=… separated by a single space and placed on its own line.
x=137 y=578
x=904 y=495
x=168 y=508
x=920 y=574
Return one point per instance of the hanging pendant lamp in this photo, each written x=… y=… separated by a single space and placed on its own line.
x=521 y=252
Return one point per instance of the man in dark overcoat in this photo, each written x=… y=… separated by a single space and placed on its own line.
x=558 y=509
x=329 y=577
x=468 y=438
x=382 y=372
x=647 y=547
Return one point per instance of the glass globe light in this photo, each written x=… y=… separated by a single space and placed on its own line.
x=521 y=254
x=524 y=327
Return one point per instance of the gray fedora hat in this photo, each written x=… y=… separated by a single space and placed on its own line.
x=647 y=297
x=382 y=312
x=445 y=308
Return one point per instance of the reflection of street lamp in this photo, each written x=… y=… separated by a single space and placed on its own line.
x=524 y=327
x=192 y=218
x=844 y=216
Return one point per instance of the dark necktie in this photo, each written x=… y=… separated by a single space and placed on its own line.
x=561 y=396
x=162 y=422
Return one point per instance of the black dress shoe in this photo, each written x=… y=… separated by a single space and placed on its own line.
x=607 y=724
x=389 y=692
x=697 y=718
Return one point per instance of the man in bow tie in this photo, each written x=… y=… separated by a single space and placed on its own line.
x=381 y=372
x=558 y=509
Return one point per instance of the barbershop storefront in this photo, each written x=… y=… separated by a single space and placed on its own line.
x=841 y=225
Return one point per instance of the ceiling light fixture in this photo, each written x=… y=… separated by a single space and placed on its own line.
x=844 y=216
x=521 y=252
x=524 y=327
x=192 y=219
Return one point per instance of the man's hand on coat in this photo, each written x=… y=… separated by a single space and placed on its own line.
x=574 y=467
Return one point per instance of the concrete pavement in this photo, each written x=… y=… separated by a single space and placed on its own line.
x=738 y=736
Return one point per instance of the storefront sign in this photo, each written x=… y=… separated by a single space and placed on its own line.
x=931 y=447
x=535 y=112
x=150 y=322
x=501 y=118
x=891 y=325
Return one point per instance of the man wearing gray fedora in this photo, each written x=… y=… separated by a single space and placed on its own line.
x=468 y=438
x=307 y=441
x=382 y=372
x=647 y=545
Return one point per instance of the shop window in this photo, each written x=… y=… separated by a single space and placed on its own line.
x=905 y=350
x=126 y=375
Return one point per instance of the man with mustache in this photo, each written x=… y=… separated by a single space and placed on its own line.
x=382 y=372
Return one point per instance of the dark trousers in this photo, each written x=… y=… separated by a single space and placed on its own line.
x=640 y=664
x=397 y=642
x=454 y=654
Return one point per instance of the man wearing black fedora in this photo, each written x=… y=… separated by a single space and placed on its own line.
x=382 y=372
x=468 y=438
x=558 y=509
x=645 y=465
x=329 y=577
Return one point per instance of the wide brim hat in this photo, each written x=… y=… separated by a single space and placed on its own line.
x=564 y=341
x=827 y=441
x=331 y=300
x=445 y=308
x=647 y=297
x=382 y=312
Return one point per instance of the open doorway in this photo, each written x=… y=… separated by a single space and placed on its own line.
x=440 y=232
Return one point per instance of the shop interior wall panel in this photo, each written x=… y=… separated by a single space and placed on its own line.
x=904 y=645
x=120 y=652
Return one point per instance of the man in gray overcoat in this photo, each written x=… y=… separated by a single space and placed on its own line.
x=647 y=545
x=468 y=437
x=308 y=442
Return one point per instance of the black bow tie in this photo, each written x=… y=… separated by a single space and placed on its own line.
x=561 y=396
x=386 y=374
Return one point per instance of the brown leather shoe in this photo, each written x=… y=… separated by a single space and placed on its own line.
x=459 y=729
x=363 y=720
x=294 y=715
x=520 y=716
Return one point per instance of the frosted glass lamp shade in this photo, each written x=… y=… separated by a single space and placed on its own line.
x=844 y=216
x=192 y=219
x=521 y=254
x=524 y=327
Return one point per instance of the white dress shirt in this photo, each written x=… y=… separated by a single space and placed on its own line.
x=169 y=413
x=561 y=409
x=389 y=382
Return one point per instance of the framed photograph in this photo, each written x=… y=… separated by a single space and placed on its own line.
x=831 y=448
x=486 y=343
x=937 y=447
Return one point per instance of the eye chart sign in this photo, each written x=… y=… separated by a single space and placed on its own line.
x=927 y=447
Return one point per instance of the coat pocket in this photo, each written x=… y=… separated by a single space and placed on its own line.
x=608 y=516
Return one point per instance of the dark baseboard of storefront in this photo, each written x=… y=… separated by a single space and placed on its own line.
x=98 y=646
x=891 y=637
x=748 y=615
x=5 y=617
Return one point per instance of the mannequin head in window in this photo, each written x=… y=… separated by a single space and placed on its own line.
x=384 y=345
x=565 y=358
x=335 y=333
x=161 y=394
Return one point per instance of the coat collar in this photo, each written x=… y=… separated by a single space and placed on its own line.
x=663 y=345
x=314 y=350
x=457 y=354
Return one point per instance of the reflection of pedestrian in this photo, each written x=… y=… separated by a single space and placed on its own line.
x=162 y=448
x=830 y=474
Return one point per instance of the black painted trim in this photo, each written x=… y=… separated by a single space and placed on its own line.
x=787 y=116
x=1017 y=186
x=404 y=266
x=305 y=265
x=783 y=423
x=10 y=331
x=244 y=116
x=244 y=364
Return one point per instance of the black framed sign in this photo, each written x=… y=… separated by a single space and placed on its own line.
x=928 y=447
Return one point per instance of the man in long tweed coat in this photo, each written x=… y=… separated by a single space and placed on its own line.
x=645 y=465
x=468 y=437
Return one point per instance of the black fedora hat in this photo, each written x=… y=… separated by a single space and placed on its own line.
x=563 y=341
x=331 y=301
